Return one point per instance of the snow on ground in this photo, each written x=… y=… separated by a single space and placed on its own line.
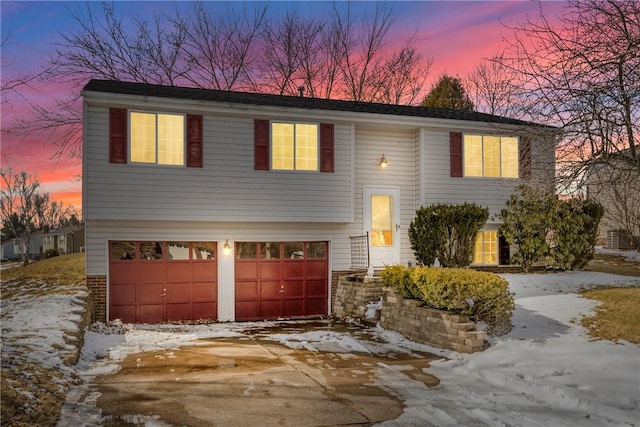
x=630 y=255
x=546 y=372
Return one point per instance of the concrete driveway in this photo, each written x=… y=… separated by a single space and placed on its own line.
x=254 y=380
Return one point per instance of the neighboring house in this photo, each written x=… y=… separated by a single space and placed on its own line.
x=240 y=206
x=616 y=186
x=66 y=240
x=35 y=245
x=8 y=249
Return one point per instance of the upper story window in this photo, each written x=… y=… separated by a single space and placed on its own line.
x=157 y=138
x=490 y=156
x=294 y=146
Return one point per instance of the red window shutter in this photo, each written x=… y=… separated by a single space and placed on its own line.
x=261 y=145
x=117 y=135
x=525 y=158
x=455 y=154
x=326 y=148
x=194 y=141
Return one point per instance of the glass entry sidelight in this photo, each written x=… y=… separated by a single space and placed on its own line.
x=382 y=221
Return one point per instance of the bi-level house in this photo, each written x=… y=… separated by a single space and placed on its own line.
x=243 y=206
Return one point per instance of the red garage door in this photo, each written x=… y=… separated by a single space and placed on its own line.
x=281 y=280
x=153 y=282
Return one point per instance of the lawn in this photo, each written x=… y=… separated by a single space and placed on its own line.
x=618 y=315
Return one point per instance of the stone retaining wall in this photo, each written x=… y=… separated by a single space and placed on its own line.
x=407 y=316
x=430 y=326
x=354 y=294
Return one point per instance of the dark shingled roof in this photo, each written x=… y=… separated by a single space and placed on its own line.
x=144 y=89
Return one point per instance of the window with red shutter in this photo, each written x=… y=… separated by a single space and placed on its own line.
x=117 y=135
x=455 y=154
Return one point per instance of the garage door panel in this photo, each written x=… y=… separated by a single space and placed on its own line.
x=179 y=312
x=151 y=272
x=294 y=288
x=123 y=294
x=294 y=269
x=270 y=290
x=316 y=306
x=178 y=292
x=204 y=271
x=316 y=288
x=247 y=291
x=203 y=292
x=205 y=310
x=270 y=309
x=124 y=272
x=270 y=270
x=178 y=272
x=294 y=308
x=150 y=313
x=247 y=310
x=317 y=269
x=126 y=313
x=246 y=270
x=150 y=293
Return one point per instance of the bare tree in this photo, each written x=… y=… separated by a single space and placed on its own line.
x=584 y=77
x=26 y=209
x=221 y=52
x=491 y=87
x=287 y=45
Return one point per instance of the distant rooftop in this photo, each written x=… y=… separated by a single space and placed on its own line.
x=176 y=92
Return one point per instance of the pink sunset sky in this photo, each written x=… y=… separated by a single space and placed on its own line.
x=455 y=35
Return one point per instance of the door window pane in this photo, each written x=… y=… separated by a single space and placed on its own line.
x=381 y=220
x=486 y=248
x=246 y=250
x=294 y=250
x=177 y=251
x=123 y=250
x=270 y=250
x=150 y=250
x=204 y=251
x=317 y=250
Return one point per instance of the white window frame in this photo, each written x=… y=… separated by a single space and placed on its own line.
x=483 y=136
x=156 y=114
x=295 y=124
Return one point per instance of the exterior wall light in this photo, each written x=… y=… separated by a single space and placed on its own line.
x=383 y=162
x=226 y=249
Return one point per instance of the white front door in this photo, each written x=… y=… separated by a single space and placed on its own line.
x=382 y=222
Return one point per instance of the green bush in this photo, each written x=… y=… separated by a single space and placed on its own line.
x=575 y=232
x=484 y=296
x=399 y=278
x=50 y=253
x=446 y=232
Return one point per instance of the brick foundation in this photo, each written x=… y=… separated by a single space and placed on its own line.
x=98 y=290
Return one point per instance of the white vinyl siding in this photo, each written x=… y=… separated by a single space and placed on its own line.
x=227 y=188
x=439 y=187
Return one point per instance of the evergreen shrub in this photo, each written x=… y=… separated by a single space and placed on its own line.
x=484 y=296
